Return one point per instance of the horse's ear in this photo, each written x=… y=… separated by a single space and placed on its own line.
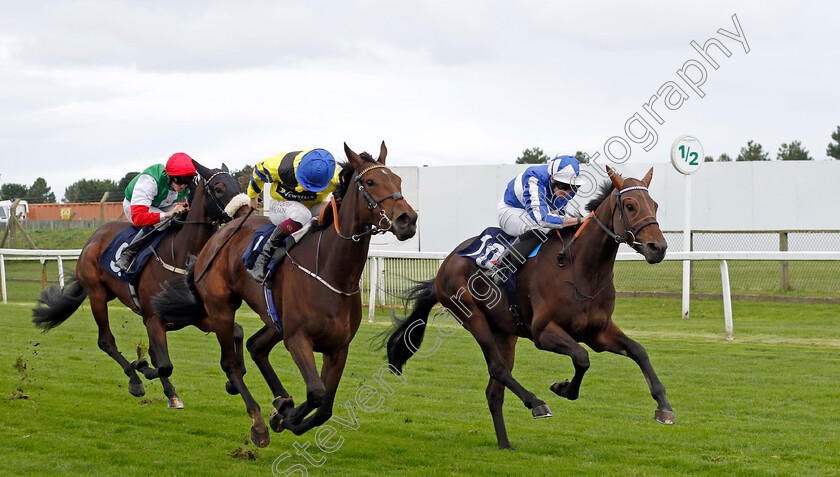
x=202 y=171
x=646 y=179
x=225 y=168
x=616 y=179
x=383 y=152
x=354 y=158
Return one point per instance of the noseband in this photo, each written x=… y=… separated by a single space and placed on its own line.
x=629 y=231
x=373 y=204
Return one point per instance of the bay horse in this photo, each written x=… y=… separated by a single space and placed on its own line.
x=561 y=306
x=315 y=290
x=211 y=203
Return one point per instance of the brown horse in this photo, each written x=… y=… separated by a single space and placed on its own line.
x=315 y=293
x=219 y=195
x=560 y=305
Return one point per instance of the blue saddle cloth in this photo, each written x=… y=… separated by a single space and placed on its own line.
x=488 y=247
x=109 y=257
x=255 y=247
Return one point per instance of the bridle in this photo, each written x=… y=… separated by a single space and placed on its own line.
x=223 y=217
x=373 y=205
x=630 y=232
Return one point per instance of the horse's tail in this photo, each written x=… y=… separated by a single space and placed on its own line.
x=57 y=304
x=179 y=302
x=408 y=332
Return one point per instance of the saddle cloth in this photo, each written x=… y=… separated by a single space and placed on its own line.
x=109 y=257
x=486 y=249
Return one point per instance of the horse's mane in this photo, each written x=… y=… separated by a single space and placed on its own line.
x=344 y=178
x=346 y=174
x=604 y=191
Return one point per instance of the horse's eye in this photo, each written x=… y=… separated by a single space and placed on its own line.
x=369 y=183
x=630 y=208
x=219 y=191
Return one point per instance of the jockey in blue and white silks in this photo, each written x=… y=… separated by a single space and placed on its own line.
x=537 y=198
x=534 y=202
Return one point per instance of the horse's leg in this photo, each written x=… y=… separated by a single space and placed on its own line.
x=99 y=307
x=554 y=338
x=300 y=347
x=230 y=365
x=159 y=352
x=497 y=366
x=496 y=390
x=238 y=338
x=260 y=345
x=331 y=373
x=614 y=340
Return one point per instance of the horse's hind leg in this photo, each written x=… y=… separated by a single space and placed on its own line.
x=498 y=368
x=496 y=391
x=159 y=353
x=231 y=366
x=99 y=307
x=615 y=341
x=238 y=339
x=554 y=338
x=260 y=345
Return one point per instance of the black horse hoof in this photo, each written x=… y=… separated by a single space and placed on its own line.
x=275 y=420
x=139 y=364
x=231 y=389
x=664 y=416
x=260 y=439
x=136 y=389
x=541 y=411
x=281 y=403
x=563 y=390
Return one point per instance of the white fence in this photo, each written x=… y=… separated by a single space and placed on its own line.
x=42 y=255
x=384 y=267
x=382 y=264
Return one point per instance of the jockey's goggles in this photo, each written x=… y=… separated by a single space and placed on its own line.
x=182 y=180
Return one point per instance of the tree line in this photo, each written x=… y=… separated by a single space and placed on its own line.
x=89 y=190
x=793 y=151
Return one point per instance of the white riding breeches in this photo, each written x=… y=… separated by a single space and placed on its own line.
x=281 y=210
x=515 y=221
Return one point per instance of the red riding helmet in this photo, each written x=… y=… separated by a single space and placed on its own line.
x=180 y=164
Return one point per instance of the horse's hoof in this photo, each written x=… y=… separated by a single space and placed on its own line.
x=664 y=416
x=231 y=389
x=136 y=389
x=562 y=390
x=175 y=403
x=139 y=364
x=260 y=439
x=275 y=420
x=280 y=403
x=541 y=411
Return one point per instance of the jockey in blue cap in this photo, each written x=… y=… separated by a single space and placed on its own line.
x=534 y=203
x=301 y=182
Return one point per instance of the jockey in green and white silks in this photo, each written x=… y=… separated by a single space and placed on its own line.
x=151 y=197
x=300 y=183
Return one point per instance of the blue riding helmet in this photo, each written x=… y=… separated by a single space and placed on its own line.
x=315 y=170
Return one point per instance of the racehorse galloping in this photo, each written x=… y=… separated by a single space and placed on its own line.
x=561 y=306
x=218 y=196
x=315 y=294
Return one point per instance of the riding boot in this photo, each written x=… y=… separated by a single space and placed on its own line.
x=515 y=255
x=260 y=268
x=141 y=240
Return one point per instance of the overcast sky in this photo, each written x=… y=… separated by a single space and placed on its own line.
x=95 y=89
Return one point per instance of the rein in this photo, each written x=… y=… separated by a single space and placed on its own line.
x=218 y=249
x=373 y=230
x=630 y=238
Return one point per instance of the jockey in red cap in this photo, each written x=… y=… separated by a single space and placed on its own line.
x=151 y=197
